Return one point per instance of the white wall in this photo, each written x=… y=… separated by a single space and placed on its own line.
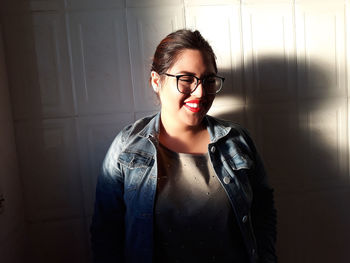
x=79 y=73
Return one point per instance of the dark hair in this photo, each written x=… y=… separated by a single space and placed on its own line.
x=172 y=45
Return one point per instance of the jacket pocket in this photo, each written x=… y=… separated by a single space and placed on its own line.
x=132 y=160
x=239 y=161
x=135 y=166
x=240 y=169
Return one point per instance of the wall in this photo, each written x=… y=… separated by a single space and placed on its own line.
x=83 y=76
x=12 y=225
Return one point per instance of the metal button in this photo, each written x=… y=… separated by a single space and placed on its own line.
x=213 y=149
x=227 y=180
x=244 y=219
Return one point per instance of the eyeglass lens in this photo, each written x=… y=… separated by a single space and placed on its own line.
x=187 y=84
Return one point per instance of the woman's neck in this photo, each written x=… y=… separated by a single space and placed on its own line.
x=184 y=139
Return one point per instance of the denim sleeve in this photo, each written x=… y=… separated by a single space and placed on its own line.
x=107 y=228
x=263 y=212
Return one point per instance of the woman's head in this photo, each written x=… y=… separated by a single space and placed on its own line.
x=184 y=78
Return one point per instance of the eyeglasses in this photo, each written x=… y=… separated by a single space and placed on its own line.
x=187 y=84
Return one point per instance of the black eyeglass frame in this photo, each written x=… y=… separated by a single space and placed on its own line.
x=202 y=80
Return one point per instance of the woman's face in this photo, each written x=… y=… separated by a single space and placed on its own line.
x=186 y=109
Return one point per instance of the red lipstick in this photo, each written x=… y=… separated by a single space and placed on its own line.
x=193 y=105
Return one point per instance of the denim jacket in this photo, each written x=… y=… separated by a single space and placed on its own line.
x=122 y=226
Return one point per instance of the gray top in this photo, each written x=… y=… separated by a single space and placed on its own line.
x=194 y=221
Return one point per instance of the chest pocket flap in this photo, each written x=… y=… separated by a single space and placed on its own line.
x=239 y=161
x=135 y=159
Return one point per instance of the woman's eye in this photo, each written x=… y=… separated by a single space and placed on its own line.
x=188 y=79
x=210 y=80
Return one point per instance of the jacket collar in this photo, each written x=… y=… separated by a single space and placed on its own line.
x=152 y=128
x=216 y=128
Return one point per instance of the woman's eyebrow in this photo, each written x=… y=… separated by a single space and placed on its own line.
x=185 y=73
x=210 y=74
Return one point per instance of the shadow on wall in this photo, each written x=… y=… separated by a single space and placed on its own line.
x=299 y=122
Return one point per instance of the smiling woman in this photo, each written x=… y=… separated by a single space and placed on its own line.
x=181 y=186
x=182 y=113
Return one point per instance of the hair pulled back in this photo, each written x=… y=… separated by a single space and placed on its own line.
x=172 y=45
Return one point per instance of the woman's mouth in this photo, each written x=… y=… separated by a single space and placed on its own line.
x=193 y=105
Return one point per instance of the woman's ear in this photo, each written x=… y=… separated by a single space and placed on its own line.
x=155 y=81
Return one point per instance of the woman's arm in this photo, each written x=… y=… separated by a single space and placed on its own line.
x=263 y=212
x=107 y=229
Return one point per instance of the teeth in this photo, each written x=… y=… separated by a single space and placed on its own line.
x=193 y=105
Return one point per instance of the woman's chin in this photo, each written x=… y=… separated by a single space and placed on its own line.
x=194 y=120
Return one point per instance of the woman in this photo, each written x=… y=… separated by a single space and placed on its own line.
x=181 y=186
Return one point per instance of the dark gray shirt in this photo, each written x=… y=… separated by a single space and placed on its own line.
x=194 y=221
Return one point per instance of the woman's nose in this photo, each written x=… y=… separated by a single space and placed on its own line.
x=199 y=91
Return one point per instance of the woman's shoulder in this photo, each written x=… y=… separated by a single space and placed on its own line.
x=128 y=136
x=143 y=126
x=224 y=124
